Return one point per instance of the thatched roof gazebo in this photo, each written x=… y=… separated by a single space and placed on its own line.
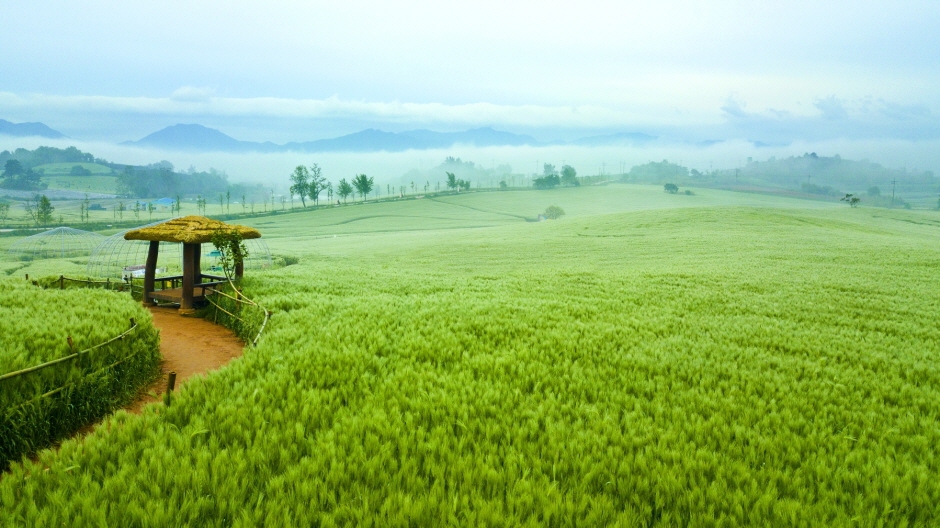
x=192 y=232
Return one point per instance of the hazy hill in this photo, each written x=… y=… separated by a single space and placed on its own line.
x=28 y=129
x=199 y=138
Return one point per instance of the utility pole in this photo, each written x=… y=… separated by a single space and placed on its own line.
x=893 y=185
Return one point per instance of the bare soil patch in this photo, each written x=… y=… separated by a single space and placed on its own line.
x=190 y=346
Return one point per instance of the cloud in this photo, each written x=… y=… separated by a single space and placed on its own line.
x=734 y=106
x=200 y=102
x=192 y=94
x=831 y=108
x=836 y=118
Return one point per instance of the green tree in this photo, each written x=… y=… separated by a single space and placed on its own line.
x=12 y=168
x=851 y=199
x=14 y=177
x=232 y=250
x=671 y=188
x=344 y=189
x=553 y=212
x=569 y=176
x=363 y=185
x=317 y=183
x=4 y=212
x=151 y=208
x=549 y=181
x=300 y=183
x=452 y=181
x=136 y=209
x=44 y=210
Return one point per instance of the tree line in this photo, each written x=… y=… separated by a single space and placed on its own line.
x=308 y=182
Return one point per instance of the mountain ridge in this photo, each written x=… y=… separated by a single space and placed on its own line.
x=195 y=137
x=8 y=128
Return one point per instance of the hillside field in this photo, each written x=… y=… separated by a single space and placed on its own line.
x=722 y=359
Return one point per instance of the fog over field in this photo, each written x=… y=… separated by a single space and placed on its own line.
x=273 y=169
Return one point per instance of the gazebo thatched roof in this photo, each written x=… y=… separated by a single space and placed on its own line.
x=188 y=230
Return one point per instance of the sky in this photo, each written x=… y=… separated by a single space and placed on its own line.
x=777 y=73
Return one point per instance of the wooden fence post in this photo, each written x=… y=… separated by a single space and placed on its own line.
x=81 y=363
x=61 y=282
x=170 y=384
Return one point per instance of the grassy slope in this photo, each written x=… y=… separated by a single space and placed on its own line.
x=62 y=169
x=720 y=363
x=92 y=184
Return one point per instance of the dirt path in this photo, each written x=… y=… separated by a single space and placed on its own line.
x=190 y=346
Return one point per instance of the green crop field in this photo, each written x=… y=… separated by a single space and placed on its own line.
x=91 y=184
x=721 y=359
x=63 y=169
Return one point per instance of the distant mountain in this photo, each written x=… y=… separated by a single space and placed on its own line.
x=28 y=129
x=374 y=140
x=200 y=138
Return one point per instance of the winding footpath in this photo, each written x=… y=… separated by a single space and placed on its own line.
x=189 y=346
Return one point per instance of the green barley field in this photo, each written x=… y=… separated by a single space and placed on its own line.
x=721 y=359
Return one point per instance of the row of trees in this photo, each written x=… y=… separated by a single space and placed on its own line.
x=45 y=155
x=308 y=182
x=551 y=178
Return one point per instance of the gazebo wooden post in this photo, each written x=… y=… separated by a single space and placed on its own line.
x=239 y=266
x=197 y=264
x=150 y=272
x=189 y=274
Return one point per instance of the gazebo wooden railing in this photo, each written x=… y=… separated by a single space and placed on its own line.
x=170 y=289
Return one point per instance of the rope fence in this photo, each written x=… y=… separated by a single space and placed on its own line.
x=71 y=357
x=240 y=299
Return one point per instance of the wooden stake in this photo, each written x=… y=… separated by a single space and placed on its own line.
x=170 y=384
x=61 y=282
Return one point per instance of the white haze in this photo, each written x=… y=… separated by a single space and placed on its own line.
x=272 y=170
